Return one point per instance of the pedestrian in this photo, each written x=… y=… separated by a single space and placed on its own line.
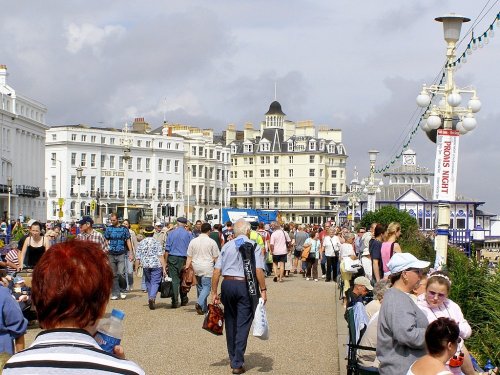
x=346 y=251
x=151 y=256
x=202 y=253
x=289 y=229
x=34 y=247
x=314 y=256
x=361 y=287
x=129 y=263
x=330 y=249
x=160 y=234
x=216 y=236
x=87 y=233
x=197 y=228
x=366 y=262
x=13 y=325
x=279 y=249
x=235 y=295
x=401 y=326
x=176 y=253
x=300 y=238
x=390 y=246
x=120 y=248
x=376 y=252
x=68 y=313
x=228 y=233
x=268 y=256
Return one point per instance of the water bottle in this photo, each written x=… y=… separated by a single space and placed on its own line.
x=110 y=331
x=488 y=366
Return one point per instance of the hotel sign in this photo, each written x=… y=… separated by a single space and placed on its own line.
x=445 y=177
x=112 y=173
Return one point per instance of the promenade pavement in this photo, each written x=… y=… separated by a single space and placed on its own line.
x=303 y=338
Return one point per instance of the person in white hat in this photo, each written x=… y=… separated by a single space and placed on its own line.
x=402 y=325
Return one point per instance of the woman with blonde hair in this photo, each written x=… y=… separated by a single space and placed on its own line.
x=346 y=251
x=390 y=246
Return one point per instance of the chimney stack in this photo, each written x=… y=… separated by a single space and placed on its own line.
x=3 y=75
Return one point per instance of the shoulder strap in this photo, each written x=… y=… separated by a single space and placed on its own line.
x=392 y=249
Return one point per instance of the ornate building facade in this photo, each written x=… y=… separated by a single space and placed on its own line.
x=287 y=166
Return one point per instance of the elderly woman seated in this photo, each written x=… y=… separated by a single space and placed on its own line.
x=71 y=287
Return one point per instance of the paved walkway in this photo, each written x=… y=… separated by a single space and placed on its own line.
x=303 y=334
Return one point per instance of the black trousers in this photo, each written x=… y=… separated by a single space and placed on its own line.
x=238 y=317
x=331 y=268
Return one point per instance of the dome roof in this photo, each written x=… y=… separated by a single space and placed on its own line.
x=409 y=152
x=275 y=109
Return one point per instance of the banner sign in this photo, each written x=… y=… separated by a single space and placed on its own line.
x=445 y=175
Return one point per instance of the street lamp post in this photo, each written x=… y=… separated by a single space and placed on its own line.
x=153 y=193
x=60 y=200
x=371 y=186
x=335 y=211
x=9 y=190
x=126 y=143
x=450 y=120
x=79 y=174
x=353 y=201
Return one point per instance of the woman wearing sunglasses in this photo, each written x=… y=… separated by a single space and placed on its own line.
x=436 y=304
x=441 y=339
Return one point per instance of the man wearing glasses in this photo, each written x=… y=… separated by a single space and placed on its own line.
x=87 y=233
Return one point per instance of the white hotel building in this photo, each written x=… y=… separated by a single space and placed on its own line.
x=22 y=138
x=287 y=166
x=161 y=161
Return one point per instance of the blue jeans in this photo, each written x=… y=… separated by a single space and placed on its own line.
x=117 y=263
x=203 y=289
x=153 y=279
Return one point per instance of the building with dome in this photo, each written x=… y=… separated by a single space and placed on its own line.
x=289 y=166
x=409 y=187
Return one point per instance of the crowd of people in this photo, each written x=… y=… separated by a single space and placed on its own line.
x=402 y=311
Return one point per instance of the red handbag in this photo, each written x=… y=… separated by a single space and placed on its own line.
x=214 y=319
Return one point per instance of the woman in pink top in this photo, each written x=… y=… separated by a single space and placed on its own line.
x=435 y=304
x=390 y=246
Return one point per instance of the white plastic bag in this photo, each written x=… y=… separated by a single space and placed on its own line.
x=260 y=324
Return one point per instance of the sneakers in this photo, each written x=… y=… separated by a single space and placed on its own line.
x=151 y=304
x=323 y=276
x=307 y=278
x=123 y=295
x=316 y=280
x=114 y=297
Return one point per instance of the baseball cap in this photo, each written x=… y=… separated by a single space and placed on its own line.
x=30 y=223
x=86 y=220
x=158 y=224
x=402 y=261
x=361 y=280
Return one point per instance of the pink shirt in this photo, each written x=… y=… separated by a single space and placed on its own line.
x=279 y=239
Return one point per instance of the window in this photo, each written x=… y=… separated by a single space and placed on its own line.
x=139 y=143
x=276 y=159
x=138 y=163
x=103 y=160
x=160 y=165
x=235 y=161
x=262 y=160
x=138 y=187
x=276 y=173
x=331 y=149
x=111 y=141
x=268 y=173
x=73 y=137
x=290 y=146
x=312 y=145
x=193 y=171
x=245 y=161
x=83 y=160
x=211 y=154
x=160 y=145
x=312 y=172
x=290 y=173
x=250 y=174
x=54 y=137
x=311 y=203
x=248 y=148
x=265 y=146
x=92 y=185
x=112 y=162
x=53 y=183
x=176 y=146
x=148 y=166
x=92 y=160
x=218 y=155
x=290 y=159
x=167 y=187
x=176 y=185
x=84 y=138
x=102 y=185
x=176 y=166
x=73 y=159
x=261 y=187
x=120 y=186
x=120 y=162
x=311 y=186
x=276 y=187
x=193 y=150
x=290 y=187
x=146 y=189
x=111 y=185
x=250 y=160
x=312 y=158
x=321 y=173
x=334 y=173
x=103 y=140
x=92 y=138
x=53 y=159
x=460 y=223
x=245 y=174
x=167 y=167
x=334 y=188
x=148 y=145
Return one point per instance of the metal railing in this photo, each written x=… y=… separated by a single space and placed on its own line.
x=281 y=192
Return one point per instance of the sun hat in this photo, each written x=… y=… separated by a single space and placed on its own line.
x=361 y=280
x=403 y=261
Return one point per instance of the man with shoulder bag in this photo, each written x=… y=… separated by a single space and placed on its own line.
x=241 y=265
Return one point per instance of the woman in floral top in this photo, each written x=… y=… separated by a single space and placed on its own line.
x=150 y=255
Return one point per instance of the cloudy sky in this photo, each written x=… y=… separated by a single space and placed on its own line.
x=357 y=66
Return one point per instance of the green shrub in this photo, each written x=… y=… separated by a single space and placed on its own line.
x=388 y=214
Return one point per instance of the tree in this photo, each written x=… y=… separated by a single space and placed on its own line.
x=388 y=214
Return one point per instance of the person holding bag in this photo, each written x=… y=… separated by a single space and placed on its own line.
x=330 y=250
x=347 y=255
x=241 y=264
x=313 y=256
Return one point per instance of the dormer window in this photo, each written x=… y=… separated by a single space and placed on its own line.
x=265 y=146
x=321 y=146
x=248 y=148
x=331 y=149
x=290 y=146
x=233 y=149
x=340 y=150
x=312 y=145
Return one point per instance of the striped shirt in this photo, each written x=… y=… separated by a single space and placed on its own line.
x=93 y=236
x=67 y=351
